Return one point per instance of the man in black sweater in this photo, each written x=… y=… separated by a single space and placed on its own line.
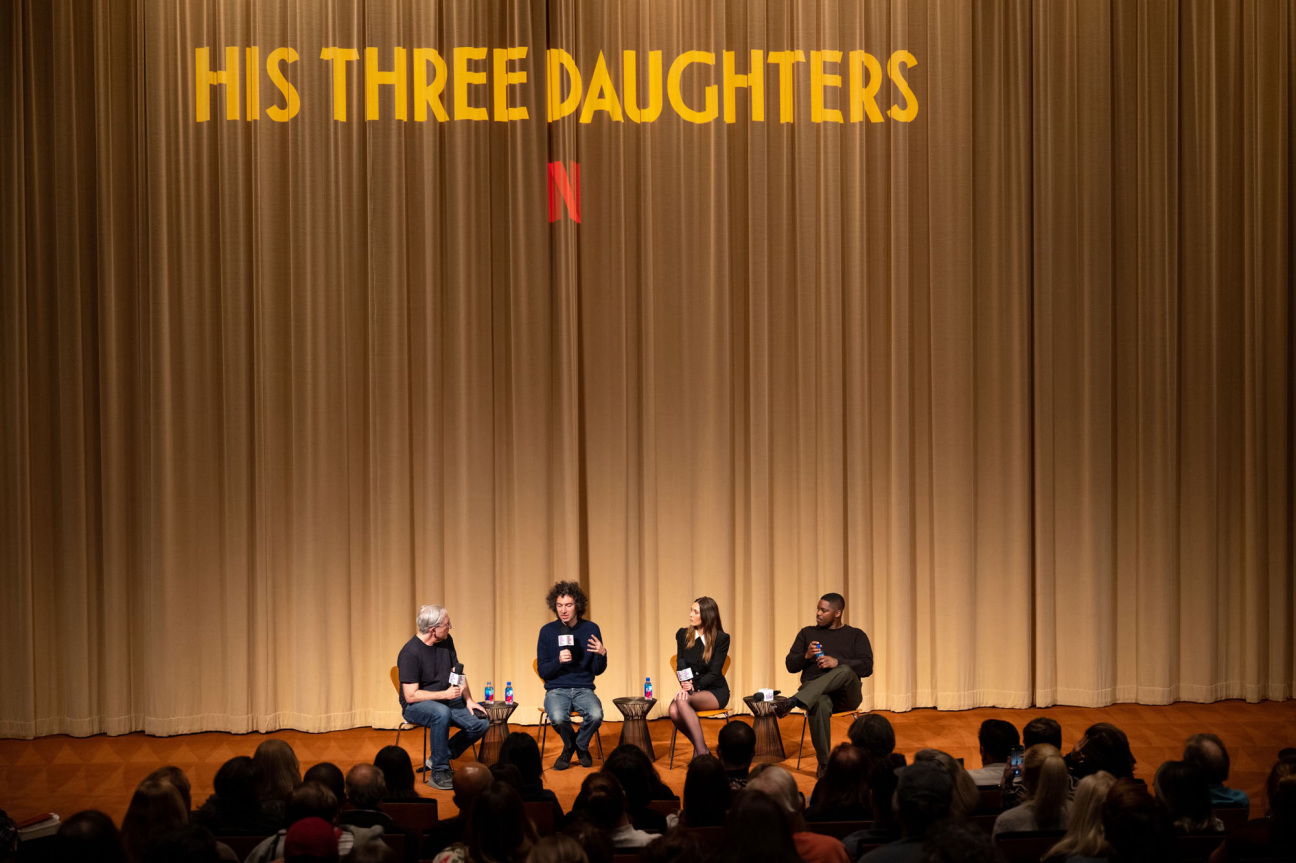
x=832 y=658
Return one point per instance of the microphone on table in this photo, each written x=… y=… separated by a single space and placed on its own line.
x=457 y=675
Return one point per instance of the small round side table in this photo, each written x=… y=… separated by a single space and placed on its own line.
x=498 y=713
x=769 y=740
x=634 y=727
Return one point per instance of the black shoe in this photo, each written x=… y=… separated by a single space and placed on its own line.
x=783 y=708
x=583 y=756
x=564 y=760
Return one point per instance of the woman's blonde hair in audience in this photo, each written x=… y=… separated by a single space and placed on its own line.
x=965 y=797
x=1047 y=782
x=1085 y=836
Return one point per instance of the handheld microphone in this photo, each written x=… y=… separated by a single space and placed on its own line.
x=566 y=640
x=684 y=674
x=457 y=675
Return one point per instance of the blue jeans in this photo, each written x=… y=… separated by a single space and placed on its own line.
x=560 y=703
x=438 y=716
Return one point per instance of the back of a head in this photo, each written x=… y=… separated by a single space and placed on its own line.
x=155 y=808
x=706 y=792
x=1137 y=827
x=923 y=796
x=498 y=828
x=882 y=780
x=1206 y=752
x=756 y=831
x=596 y=843
x=1042 y=729
x=1185 y=793
x=1280 y=791
x=605 y=802
x=997 y=738
x=737 y=745
x=675 y=846
x=365 y=786
x=469 y=782
x=329 y=775
x=397 y=771
x=1085 y=836
x=964 y=797
x=631 y=767
x=508 y=774
x=90 y=835
x=521 y=751
x=236 y=784
x=280 y=771
x=1107 y=748
x=873 y=734
x=178 y=780
x=372 y=850
x=311 y=840
x=311 y=800
x=781 y=787
x=557 y=849
x=845 y=781
x=1045 y=777
x=957 y=841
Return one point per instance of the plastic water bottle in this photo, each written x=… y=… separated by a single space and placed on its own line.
x=818 y=650
x=508 y=692
x=490 y=690
x=647 y=687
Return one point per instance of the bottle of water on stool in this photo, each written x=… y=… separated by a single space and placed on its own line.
x=508 y=692
x=490 y=690
x=647 y=687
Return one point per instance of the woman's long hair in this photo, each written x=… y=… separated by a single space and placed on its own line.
x=155 y=808
x=498 y=828
x=711 y=627
x=280 y=770
x=1047 y=783
x=1085 y=836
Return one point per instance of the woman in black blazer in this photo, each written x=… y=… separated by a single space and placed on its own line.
x=701 y=648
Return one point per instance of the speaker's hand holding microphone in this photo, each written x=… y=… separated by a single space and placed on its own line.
x=685 y=676
x=565 y=643
x=456 y=682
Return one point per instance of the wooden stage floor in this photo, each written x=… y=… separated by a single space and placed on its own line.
x=65 y=774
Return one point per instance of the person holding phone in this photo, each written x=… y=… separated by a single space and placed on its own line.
x=701 y=649
x=997 y=738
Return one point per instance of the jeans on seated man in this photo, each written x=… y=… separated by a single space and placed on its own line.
x=433 y=695
x=569 y=655
x=832 y=658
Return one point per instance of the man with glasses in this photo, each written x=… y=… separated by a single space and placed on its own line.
x=429 y=697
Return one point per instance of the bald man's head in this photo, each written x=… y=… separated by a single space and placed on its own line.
x=469 y=782
x=365 y=786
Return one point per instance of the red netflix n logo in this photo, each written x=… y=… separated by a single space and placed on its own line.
x=568 y=186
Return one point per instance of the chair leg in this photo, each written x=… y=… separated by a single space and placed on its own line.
x=805 y=719
x=674 y=731
x=427 y=774
x=599 y=739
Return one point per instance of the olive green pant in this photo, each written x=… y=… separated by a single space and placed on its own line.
x=837 y=690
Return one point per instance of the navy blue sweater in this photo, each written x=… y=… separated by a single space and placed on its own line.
x=584 y=665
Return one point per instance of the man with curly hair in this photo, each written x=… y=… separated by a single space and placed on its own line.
x=569 y=655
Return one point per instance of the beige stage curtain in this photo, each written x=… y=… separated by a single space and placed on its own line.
x=1016 y=376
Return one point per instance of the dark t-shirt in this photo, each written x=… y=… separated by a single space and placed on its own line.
x=429 y=667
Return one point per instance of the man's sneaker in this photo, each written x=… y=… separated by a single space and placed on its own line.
x=564 y=760
x=442 y=779
x=583 y=756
